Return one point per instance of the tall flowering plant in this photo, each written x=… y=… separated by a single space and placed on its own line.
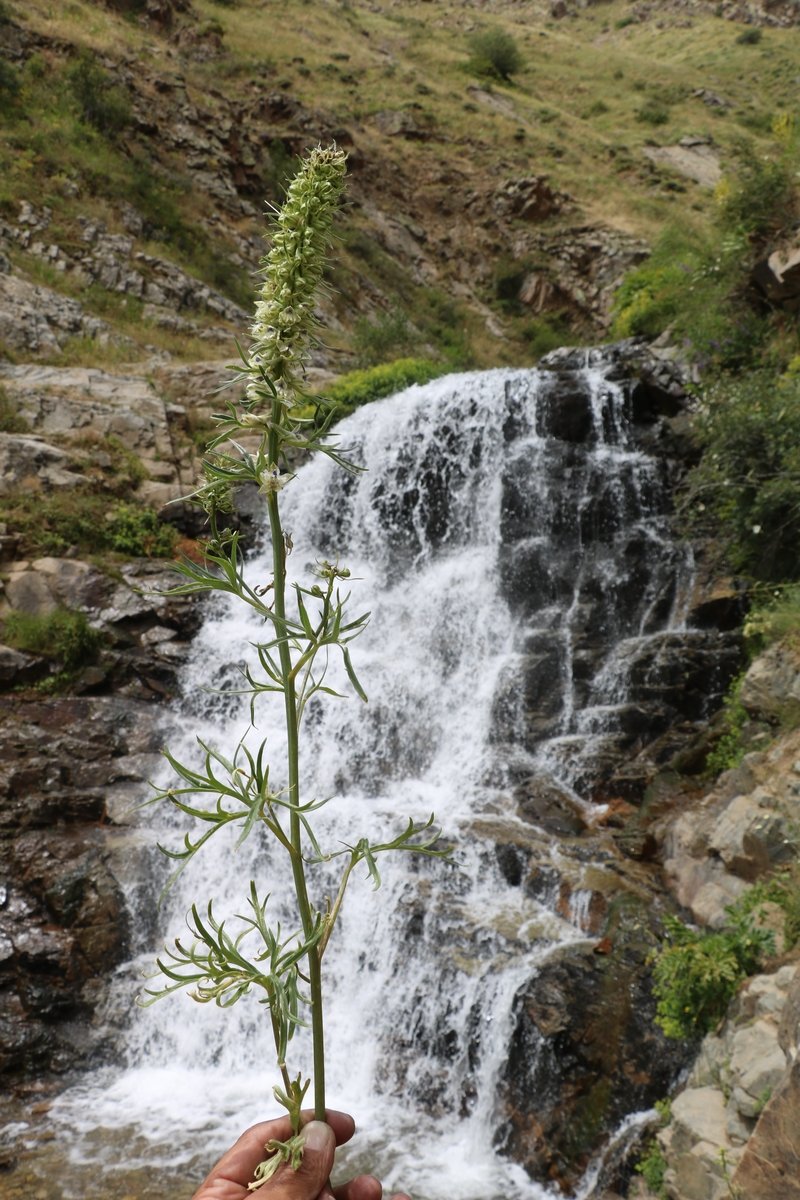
x=224 y=962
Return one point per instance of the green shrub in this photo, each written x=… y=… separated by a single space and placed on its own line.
x=759 y=197
x=495 y=53
x=382 y=340
x=102 y=104
x=359 y=387
x=548 y=332
x=774 y=619
x=652 y=1167
x=696 y=974
x=749 y=37
x=650 y=299
x=445 y=323
x=64 y=635
x=749 y=477
x=783 y=890
x=508 y=276
x=278 y=168
x=730 y=749
x=10 y=420
x=697 y=289
x=138 y=532
x=9 y=84
x=653 y=113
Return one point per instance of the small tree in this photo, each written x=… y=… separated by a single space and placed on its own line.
x=495 y=53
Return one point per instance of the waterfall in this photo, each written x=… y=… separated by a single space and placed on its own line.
x=511 y=542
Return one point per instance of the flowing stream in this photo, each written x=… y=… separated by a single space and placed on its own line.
x=518 y=575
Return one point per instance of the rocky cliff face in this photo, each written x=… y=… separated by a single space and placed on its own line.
x=734 y=1128
x=584 y=1037
x=76 y=750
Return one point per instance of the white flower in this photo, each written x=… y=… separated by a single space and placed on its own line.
x=271 y=480
x=756 y=529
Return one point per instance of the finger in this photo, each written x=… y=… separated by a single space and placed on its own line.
x=311 y=1176
x=235 y=1169
x=363 y=1187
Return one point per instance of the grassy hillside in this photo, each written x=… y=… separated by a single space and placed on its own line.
x=104 y=112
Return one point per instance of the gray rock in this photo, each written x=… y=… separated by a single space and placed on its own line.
x=37 y=319
x=771 y=687
x=693 y=158
x=27 y=592
x=28 y=462
x=16 y=668
x=757 y=1064
x=770 y=1165
x=742 y=828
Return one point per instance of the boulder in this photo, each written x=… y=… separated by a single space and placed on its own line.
x=777 y=277
x=734 y=1129
x=37 y=319
x=771 y=687
x=693 y=157
x=585 y=1052
x=30 y=463
x=741 y=828
x=770 y=1165
x=529 y=199
x=27 y=592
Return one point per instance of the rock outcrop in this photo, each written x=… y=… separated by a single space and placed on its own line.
x=746 y=826
x=733 y=1128
x=72 y=768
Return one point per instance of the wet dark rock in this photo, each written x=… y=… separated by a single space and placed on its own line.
x=567 y=413
x=550 y=807
x=72 y=768
x=599 y=542
x=584 y=1053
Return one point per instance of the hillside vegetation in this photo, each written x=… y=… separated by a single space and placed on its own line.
x=176 y=130
x=510 y=171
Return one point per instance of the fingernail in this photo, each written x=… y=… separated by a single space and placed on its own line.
x=317 y=1135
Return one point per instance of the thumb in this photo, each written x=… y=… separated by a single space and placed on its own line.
x=311 y=1176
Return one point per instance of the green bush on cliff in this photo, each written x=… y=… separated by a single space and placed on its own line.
x=63 y=635
x=699 y=288
x=696 y=973
x=774 y=618
x=102 y=103
x=379 y=341
x=9 y=84
x=137 y=531
x=748 y=481
x=652 y=1167
x=730 y=749
x=746 y=490
x=359 y=387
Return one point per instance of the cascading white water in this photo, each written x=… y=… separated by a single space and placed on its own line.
x=422 y=975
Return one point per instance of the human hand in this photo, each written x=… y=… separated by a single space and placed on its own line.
x=228 y=1180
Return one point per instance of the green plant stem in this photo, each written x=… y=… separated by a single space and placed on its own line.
x=290 y=708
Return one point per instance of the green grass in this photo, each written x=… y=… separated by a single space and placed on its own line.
x=63 y=635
